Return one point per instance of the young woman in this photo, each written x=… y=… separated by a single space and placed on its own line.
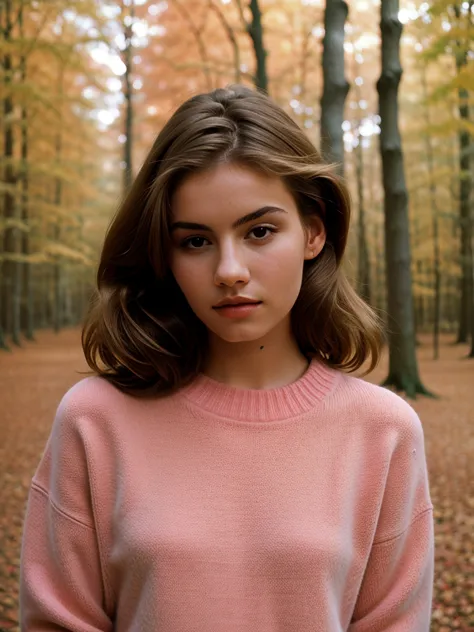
x=223 y=471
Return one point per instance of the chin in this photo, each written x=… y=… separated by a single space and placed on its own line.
x=237 y=336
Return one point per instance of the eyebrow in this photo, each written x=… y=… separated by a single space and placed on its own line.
x=250 y=217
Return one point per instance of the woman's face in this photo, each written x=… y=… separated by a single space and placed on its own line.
x=238 y=233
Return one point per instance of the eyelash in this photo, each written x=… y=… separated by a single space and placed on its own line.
x=185 y=243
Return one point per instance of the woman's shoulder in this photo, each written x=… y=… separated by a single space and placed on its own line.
x=371 y=402
x=89 y=395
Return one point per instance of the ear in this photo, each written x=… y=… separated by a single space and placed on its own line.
x=315 y=237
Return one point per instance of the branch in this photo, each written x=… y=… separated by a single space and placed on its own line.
x=197 y=32
x=231 y=35
x=245 y=24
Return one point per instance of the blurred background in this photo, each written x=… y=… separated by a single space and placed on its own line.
x=383 y=87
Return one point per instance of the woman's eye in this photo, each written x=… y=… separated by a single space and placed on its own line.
x=261 y=232
x=193 y=243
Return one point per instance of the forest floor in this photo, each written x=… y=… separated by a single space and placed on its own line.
x=34 y=378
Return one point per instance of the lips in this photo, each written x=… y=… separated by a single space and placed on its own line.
x=237 y=304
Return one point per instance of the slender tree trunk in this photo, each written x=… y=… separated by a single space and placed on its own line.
x=26 y=307
x=255 y=30
x=27 y=319
x=11 y=266
x=465 y=228
x=403 y=366
x=435 y=222
x=56 y=232
x=464 y=197
x=336 y=87
x=363 y=277
x=128 y=95
x=3 y=37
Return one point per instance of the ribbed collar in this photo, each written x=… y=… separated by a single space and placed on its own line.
x=262 y=404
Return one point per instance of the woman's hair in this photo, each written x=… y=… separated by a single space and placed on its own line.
x=140 y=333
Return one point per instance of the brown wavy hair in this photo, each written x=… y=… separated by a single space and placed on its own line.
x=140 y=333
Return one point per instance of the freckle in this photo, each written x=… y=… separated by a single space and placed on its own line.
x=414 y=451
x=261 y=347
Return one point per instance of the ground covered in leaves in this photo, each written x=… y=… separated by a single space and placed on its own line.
x=34 y=378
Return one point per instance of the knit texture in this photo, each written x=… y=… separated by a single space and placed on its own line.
x=304 y=508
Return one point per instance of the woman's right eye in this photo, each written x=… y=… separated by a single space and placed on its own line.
x=193 y=243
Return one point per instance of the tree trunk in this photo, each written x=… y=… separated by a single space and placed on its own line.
x=58 y=195
x=27 y=318
x=26 y=307
x=465 y=221
x=435 y=222
x=128 y=95
x=363 y=277
x=335 y=87
x=464 y=197
x=11 y=268
x=255 y=30
x=403 y=366
x=3 y=344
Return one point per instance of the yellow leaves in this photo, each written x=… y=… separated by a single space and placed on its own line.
x=422 y=290
x=57 y=250
x=13 y=222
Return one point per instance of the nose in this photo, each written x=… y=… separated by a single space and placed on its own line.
x=231 y=268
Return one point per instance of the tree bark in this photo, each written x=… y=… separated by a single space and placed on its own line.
x=465 y=221
x=58 y=193
x=3 y=344
x=335 y=87
x=403 y=366
x=11 y=267
x=363 y=277
x=128 y=95
x=435 y=222
x=255 y=30
x=27 y=318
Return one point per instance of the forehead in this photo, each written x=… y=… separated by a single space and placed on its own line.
x=228 y=191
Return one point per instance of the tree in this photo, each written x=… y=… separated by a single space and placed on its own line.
x=335 y=87
x=128 y=94
x=403 y=366
x=52 y=165
x=435 y=219
x=461 y=54
x=254 y=29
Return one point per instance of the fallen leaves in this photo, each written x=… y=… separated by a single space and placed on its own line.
x=36 y=376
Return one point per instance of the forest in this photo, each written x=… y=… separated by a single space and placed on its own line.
x=384 y=89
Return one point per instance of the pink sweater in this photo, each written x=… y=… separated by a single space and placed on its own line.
x=304 y=508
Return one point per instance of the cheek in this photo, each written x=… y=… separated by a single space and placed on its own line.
x=188 y=275
x=285 y=265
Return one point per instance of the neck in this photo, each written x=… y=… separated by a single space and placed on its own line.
x=269 y=362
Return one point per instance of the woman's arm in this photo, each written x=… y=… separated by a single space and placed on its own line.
x=62 y=583
x=397 y=588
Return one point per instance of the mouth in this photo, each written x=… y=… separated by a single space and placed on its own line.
x=236 y=305
x=237 y=310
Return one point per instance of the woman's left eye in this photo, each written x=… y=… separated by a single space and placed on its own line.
x=261 y=232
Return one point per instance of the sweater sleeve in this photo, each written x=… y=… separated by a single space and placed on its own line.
x=397 y=588
x=61 y=580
